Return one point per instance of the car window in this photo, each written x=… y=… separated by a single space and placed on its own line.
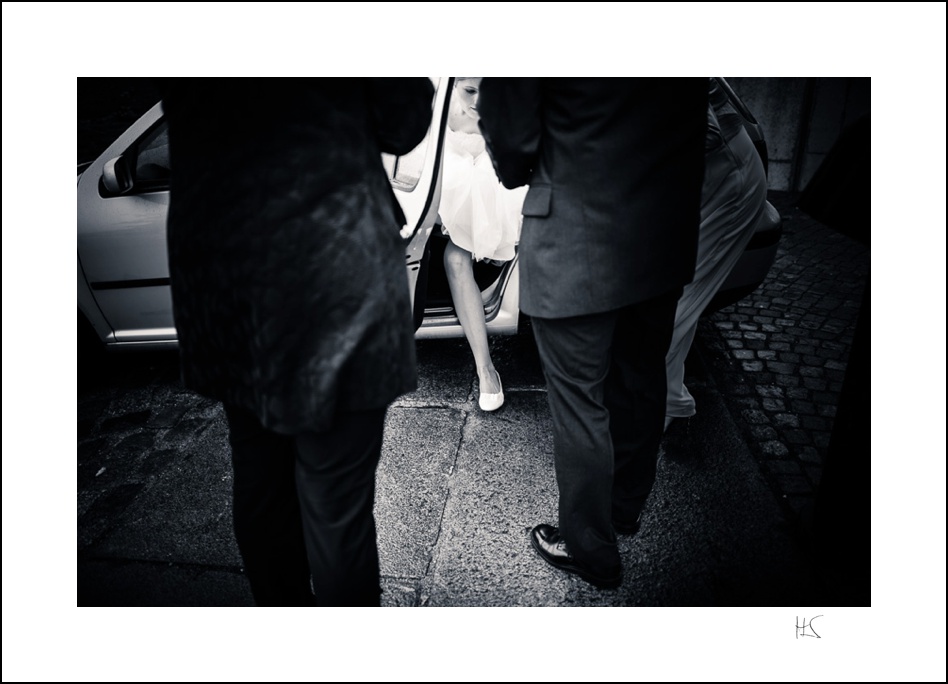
x=152 y=160
x=405 y=171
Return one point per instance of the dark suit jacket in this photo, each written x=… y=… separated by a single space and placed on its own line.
x=615 y=168
x=287 y=269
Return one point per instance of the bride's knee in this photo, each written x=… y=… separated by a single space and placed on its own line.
x=456 y=259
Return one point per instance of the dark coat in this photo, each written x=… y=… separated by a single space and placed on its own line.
x=287 y=269
x=615 y=169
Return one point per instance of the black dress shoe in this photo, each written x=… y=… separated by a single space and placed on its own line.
x=550 y=545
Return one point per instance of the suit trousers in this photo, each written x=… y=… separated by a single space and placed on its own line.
x=303 y=510
x=605 y=377
x=733 y=198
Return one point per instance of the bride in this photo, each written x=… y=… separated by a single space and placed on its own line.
x=482 y=220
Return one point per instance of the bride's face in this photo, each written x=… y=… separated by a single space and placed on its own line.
x=467 y=91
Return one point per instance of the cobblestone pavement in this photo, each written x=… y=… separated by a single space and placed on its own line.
x=780 y=354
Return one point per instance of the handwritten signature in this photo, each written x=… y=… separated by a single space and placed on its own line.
x=803 y=626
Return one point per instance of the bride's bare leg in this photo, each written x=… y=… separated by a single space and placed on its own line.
x=470 y=309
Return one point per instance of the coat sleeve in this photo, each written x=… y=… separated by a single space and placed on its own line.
x=510 y=122
x=400 y=111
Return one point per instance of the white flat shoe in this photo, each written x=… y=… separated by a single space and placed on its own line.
x=492 y=402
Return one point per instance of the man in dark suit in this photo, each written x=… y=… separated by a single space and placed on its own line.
x=609 y=239
x=278 y=201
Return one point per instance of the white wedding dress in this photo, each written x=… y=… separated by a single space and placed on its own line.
x=477 y=212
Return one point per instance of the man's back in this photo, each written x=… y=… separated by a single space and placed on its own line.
x=278 y=197
x=615 y=169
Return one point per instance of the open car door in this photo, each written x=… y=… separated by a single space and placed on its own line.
x=416 y=180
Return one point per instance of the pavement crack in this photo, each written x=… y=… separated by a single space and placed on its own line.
x=444 y=507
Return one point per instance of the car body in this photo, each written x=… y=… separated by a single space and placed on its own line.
x=124 y=293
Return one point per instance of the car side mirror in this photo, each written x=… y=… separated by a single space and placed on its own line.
x=116 y=176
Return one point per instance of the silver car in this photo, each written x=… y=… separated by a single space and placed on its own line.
x=124 y=292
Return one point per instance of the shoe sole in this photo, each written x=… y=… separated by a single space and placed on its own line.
x=598 y=582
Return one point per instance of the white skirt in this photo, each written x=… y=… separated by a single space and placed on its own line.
x=477 y=212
